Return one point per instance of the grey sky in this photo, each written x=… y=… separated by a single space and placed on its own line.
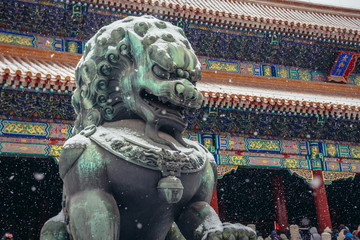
x=355 y=4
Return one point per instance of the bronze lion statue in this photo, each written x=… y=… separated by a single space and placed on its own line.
x=128 y=173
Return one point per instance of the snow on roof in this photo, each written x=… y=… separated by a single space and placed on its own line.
x=289 y=11
x=284 y=95
x=36 y=67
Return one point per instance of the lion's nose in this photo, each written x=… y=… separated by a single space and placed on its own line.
x=179 y=88
x=188 y=94
x=185 y=92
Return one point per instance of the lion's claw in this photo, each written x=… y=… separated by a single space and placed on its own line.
x=229 y=231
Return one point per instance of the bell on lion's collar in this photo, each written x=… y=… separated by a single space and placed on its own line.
x=171 y=189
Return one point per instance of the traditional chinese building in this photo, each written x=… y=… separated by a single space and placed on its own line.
x=281 y=110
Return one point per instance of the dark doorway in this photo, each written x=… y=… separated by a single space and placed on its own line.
x=31 y=193
x=246 y=197
x=344 y=202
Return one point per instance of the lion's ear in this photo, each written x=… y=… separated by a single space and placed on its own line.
x=137 y=47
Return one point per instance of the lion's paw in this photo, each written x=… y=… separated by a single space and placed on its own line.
x=227 y=231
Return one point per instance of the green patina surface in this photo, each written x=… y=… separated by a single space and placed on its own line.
x=90 y=162
x=138 y=68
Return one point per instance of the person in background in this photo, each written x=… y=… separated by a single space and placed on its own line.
x=342 y=226
x=333 y=234
x=314 y=234
x=274 y=235
x=342 y=234
x=7 y=236
x=349 y=235
x=259 y=237
x=304 y=229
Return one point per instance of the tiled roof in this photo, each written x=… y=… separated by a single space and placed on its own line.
x=259 y=11
x=230 y=96
x=286 y=16
x=260 y=93
x=25 y=67
x=35 y=68
x=283 y=13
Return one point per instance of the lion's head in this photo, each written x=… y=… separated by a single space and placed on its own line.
x=138 y=67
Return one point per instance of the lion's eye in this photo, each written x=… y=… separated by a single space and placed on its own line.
x=160 y=72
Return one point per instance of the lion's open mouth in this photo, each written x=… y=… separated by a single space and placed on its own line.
x=162 y=105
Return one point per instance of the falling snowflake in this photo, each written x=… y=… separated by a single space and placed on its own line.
x=39 y=176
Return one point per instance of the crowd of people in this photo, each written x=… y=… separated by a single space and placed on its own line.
x=308 y=232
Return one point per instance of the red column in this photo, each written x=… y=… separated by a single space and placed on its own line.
x=214 y=201
x=277 y=184
x=321 y=203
